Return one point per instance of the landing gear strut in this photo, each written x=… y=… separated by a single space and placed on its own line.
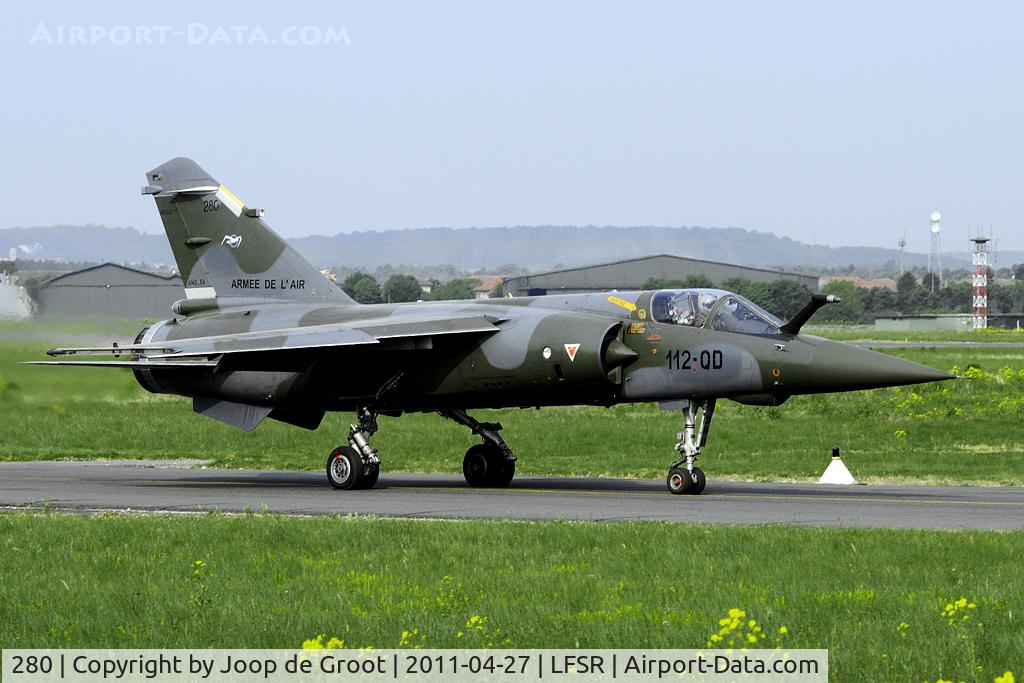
x=357 y=465
x=683 y=477
x=489 y=464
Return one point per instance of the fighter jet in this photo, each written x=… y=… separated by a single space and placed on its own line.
x=263 y=334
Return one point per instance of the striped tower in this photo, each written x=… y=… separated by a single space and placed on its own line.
x=979 y=289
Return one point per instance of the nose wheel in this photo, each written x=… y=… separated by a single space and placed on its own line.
x=683 y=478
x=682 y=482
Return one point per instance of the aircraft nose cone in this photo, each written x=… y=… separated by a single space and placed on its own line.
x=849 y=367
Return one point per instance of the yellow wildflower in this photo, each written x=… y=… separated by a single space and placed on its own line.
x=318 y=644
x=411 y=639
x=957 y=610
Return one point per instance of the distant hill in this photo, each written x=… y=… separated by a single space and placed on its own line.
x=536 y=248
x=92 y=243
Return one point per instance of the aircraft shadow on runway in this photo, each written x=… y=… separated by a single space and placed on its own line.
x=449 y=483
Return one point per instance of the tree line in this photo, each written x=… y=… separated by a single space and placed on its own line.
x=365 y=289
x=913 y=296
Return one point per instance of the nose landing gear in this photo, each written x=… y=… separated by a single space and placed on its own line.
x=683 y=476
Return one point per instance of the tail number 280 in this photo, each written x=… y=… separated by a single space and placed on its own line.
x=707 y=359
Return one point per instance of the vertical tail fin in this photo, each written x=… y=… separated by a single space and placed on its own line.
x=223 y=249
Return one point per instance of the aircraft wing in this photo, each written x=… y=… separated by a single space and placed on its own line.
x=206 y=351
x=142 y=363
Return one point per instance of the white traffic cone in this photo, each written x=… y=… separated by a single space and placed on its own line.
x=836 y=472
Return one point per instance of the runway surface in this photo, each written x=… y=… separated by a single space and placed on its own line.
x=175 y=487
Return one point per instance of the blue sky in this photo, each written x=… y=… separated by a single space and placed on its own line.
x=826 y=123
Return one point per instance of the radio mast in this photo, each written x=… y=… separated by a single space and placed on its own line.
x=935 y=255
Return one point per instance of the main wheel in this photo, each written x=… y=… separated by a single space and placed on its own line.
x=680 y=481
x=486 y=466
x=345 y=468
x=503 y=473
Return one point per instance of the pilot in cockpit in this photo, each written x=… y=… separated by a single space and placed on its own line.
x=727 y=312
x=680 y=311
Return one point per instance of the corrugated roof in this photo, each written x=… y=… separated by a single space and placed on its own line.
x=52 y=280
x=653 y=256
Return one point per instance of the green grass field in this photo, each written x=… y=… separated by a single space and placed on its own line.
x=961 y=432
x=876 y=599
x=869 y=333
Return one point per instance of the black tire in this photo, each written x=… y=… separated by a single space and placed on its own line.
x=678 y=481
x=345 y=468
x=504 y=472
x=681 y=482
x=476 y=466
x=699 y=481
x=485 y=466
x=370 y=474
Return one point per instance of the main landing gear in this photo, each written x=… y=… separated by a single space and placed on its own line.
x=490 y=464
x=357 y=465
x=683 y=477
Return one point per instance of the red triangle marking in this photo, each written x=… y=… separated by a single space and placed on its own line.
x=571 y=349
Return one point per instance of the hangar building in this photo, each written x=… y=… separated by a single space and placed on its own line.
x=109 y=291
x=633 y=273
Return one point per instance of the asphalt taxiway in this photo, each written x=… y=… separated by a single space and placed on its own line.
x=179 y=486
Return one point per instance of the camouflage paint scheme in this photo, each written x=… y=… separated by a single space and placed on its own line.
x=265 y=334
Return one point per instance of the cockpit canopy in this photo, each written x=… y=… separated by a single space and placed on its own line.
x=714 y=309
